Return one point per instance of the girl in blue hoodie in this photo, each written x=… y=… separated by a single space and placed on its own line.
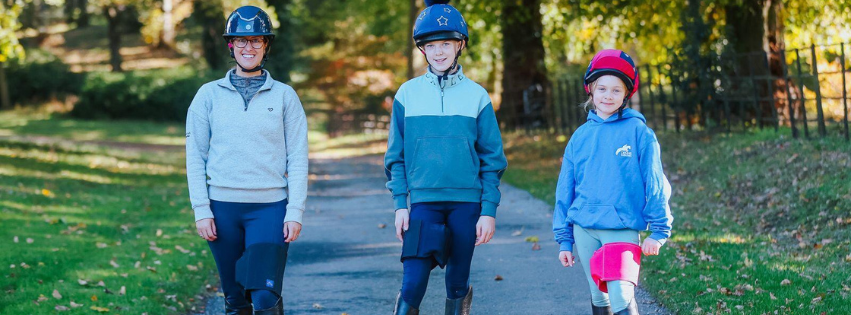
x=611 y=184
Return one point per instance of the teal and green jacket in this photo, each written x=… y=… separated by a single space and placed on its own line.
x=444 y=143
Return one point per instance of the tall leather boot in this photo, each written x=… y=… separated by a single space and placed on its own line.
x=460 y=306
x=277 y=309
x=601 y=310
x=631 y=309
x=403 y=308
x=230 y=310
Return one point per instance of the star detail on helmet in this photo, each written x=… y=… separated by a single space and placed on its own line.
x=447 y=10
x=422 y=15
x=442 y=21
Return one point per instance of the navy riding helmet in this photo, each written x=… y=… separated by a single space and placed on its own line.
x=439 y=21
x=249 y=21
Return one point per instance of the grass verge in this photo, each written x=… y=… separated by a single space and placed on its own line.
x=761 y=220
x=88 y=231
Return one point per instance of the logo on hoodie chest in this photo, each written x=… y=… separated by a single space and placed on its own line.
x=624 y=151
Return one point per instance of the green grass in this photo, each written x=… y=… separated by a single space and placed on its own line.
x=42 y=123
x=70 y=215
x=761 y=220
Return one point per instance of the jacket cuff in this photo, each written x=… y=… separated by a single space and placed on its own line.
x=565 y=246
x=293 y=215
x=400 y=202
x=203 y=212
x=659 y=237
x=489 y=208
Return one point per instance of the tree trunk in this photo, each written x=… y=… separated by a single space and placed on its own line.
x=774 y=44
x=746 y=33
x=409 y=48
x=5 y=100
x=112 y=14
x=209 y=15
x=83 y=19
x=281 y=56
x=167 y=40
x=523 y=60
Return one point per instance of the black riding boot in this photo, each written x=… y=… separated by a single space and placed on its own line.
x=601 y=310
x=403 y=308
x=631 y=309
x=230 y=310
x=460 y=306
x=278 y=309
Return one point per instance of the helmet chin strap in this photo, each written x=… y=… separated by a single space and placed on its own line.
x=255 y=69
x=620 y=109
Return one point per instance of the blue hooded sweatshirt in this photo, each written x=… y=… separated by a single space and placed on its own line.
x=612 y=179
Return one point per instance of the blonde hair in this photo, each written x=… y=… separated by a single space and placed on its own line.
x=588 y=105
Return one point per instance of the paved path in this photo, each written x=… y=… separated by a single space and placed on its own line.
x=345 y=263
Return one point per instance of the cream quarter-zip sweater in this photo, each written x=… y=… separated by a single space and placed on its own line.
x=253 y=152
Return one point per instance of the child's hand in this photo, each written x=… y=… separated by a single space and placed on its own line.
x=651 y=247
x=566 y=258
x=484 y=229
x=401 y=222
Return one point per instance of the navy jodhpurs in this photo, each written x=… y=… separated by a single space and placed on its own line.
x=239 y=225
x=460 y=218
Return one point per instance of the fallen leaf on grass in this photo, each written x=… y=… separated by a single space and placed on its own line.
x=94 y=298
x=771 y=295
x=30 y=240
x=192 y=268
x=159 y=232
x=122 y=291
x=100 y=309
x=41 y=298
x=15 y=239
x=114 y=264
x=101 y=245
x=75 y=305
x=181 y=249
x=56 y=295
x=61 y=308
x=785 y=282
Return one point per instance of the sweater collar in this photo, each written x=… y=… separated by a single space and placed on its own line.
x=225 y=82
x=451 y=80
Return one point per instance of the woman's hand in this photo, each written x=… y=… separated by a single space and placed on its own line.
x=484 y=229
x=650 y=247
x=402 y=221
x=566 y=258
x=206 y=229
x=292 y=229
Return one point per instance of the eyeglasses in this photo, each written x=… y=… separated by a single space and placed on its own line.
x=257 y=43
